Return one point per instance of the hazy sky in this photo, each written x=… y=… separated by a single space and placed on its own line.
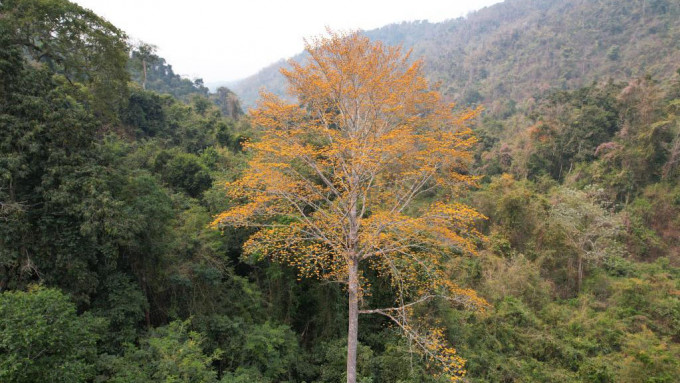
x=229 y=40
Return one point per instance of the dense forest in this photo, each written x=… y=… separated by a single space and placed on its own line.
x=518 y=50
x=112 y=168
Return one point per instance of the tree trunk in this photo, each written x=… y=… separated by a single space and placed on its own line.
x=580 y=273
x=144 y=74
x=353 y=330
x=353 y=282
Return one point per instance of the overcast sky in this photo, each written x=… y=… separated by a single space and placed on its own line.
x=229 y=40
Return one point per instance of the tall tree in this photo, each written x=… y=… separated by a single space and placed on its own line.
x=147 y=54
x=74 y=42
x=359 y=178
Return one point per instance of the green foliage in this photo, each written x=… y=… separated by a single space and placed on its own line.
x=332 y=356
x=516 y=207
x=155 y=74
x=228 y=102
x=518 y=49
x=244 y=375
x=123 y=304
x=160 y=77
x=570 y=127
x=42 y=339
x=49 y=173
x=653 y=221
x=271 y=349
x=107 y=190
x=145 y=112
x=168 y=354
x=183 y=171
x=194 y=128
x=74 y=42
x=618 y=330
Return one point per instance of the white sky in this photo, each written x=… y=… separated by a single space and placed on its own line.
x=229 y=40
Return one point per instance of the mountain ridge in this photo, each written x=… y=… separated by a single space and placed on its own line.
x=519 y=48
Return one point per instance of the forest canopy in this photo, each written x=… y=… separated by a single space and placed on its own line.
x=113 y=167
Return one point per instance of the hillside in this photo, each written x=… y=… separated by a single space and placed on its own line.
x=520 y=48
x=112 y=168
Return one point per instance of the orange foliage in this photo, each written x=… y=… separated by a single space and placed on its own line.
x=364 y=170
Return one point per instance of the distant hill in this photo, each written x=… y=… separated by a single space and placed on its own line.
x=270 y=78
x=214 y=85
x=152 y=72
x=519 y=48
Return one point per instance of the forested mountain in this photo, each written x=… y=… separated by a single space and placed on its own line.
x=112 y=169
x=517 y=49
x=153 y=73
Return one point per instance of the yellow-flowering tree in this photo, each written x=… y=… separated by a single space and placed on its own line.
x=362 y=172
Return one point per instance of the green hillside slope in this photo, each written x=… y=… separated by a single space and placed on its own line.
x=519 y=48
x=110 y=177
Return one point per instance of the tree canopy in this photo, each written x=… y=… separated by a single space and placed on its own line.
x=361 y=175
